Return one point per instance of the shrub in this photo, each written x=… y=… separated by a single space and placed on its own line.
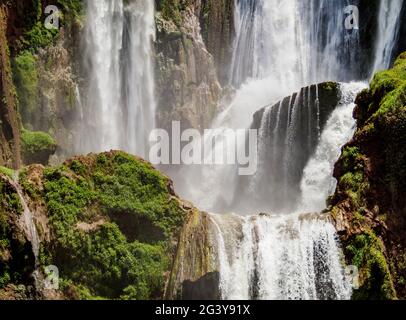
x=37 y=146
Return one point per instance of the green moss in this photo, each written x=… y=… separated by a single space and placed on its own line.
x=10 y=201
x=39 y=37
x=391 y=86
x=171 y=10
x=4 y=279
x=74 y=8
x=372 y=179
x=7 y=171
x=330 y=86
x=134 y=186
x=351 y=159
x=26 y=82
x=367 y=253
x=354 y=186
x=359 y=216
x=13 y=259
x=389 y=90
x=115 y=261
x=35 y=142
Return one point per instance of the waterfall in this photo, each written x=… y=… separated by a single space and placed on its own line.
x=296 y=42
x=103 y=36
x=388 y=31
x=119 y=106
x=281 y=47
x=298 y=146
x=27 y=220
x=138 y=75
x=285 y=257
x=317 y=182
x=290 y=256
x=266 y=42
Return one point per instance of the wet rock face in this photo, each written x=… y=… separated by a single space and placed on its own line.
x=205 y=288
x=194 y=274
x=16 y=254
x=217 y=22
x=297 y=120
x=43 y=70
x=188 y=89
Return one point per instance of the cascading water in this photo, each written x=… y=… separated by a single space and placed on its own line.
x=281 y=39
x=138 y=76
x=279 y=257
x=276 y=42
x=27 y=220
x=317 y=181
x=388 y=31
x=280 y=47
x=119 y=108
x=291 y=133
x=103 y=36
x=290 y=256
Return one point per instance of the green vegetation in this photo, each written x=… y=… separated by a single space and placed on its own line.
x=74 y=8
x=355 y=186
x=114 y=214
x=26 y=82
x=37 y=142
x=37 y=36
x=367 y=252
x=13 y=262
x=171 y=10
x=7 y=171
x=390 y=118
x=352 y=159
x=372 y=183
x=391 y=86
x=330 y=86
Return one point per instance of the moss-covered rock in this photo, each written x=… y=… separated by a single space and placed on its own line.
x=37 y=146
x=188 y=89
x=110 y=223
x=369 y=206
x=9 y=119
x=45 y=66
x=26 y=80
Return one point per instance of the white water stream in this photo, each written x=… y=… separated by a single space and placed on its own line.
x=119 y=106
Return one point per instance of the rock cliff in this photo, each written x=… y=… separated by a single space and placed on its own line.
x=369 y=205
x=188 y=88
x=10 y=126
